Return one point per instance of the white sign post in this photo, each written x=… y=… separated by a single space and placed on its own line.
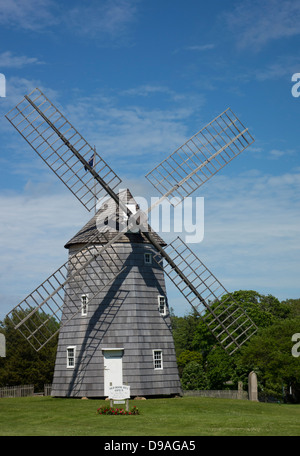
x=119 y=395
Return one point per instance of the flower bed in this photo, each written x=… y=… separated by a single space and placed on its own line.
x=112 y=411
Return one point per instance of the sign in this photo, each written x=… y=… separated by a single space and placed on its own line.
x=119 y=392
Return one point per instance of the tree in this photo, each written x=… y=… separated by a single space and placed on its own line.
x=220 y=368
x=192 y=336
x=186 y=357
x=194 y=377
x=263 y=310
x=294 y=306
x=23 y=365
x=269 y=353
x=183 y=329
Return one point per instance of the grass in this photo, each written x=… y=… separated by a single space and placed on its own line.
x=186 y=416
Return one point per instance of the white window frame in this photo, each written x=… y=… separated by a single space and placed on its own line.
x=71 y=359
x=157 y=359
x=148 y=258
x=84 y=305
x=162 y=308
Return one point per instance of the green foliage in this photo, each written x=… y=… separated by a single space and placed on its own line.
x=268 y=353
x=294 y=306
x=186 y=357
x=183 y=331
x=220 y=368
x=23 y=365
x=263 y=310
x=194 y=377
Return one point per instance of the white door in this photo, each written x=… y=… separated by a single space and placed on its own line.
x=113 y=375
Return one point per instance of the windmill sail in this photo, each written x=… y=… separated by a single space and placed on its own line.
x=36 y=317
x=69 y=156
x=226 y=320
x=62 y=147
x=201 y=157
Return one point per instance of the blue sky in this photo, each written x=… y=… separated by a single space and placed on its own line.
x=137 y=78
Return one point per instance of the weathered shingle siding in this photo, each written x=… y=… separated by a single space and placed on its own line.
x=124 y=315
x=110 y=209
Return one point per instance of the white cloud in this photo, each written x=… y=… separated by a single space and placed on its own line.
x=123 y=135
x=30 y=15
x=279 y=153
x=109 y=18
x=148 y=90
x=252 y=232
x=282 y=67
x=200 y=47
x=196 y=47
x=259 y=22
x=35 y=226
x=16 y=88
x=8 y=60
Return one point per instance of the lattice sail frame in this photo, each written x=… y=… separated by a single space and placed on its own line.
x=36 y=317
x=225 y=319
x=201 y=157
x=54 y=139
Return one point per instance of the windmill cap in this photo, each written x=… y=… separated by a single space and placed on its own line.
x=109 y=207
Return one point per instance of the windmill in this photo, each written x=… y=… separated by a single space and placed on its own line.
x=110 y=296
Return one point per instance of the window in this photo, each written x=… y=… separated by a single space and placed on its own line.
x=133 y=209
x=71 y=356
x=157 y=359
x=148 y=258
x=84 y=305
x=162 y=306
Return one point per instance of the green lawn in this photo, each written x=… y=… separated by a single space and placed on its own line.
x=187 y=416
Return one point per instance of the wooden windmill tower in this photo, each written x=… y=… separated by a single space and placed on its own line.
x=124 y=335
x=110 y=296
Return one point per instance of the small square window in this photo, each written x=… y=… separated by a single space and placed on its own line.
x=71 y=357
x=148 y=258
x=84 y=305
x=157 y=359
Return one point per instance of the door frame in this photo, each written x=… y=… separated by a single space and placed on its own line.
x=106 y=380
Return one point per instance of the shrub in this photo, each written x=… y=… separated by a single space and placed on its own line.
x=194 y=377
x=111 y=411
